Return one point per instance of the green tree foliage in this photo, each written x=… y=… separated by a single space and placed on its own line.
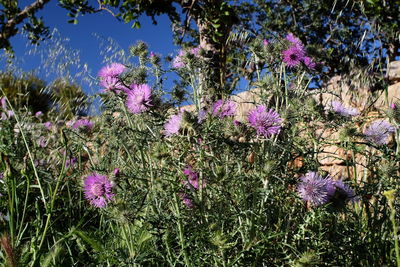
x=12 y=15
x=62 y=96
x=341 y=33
x=26 y=91
x=14 y=18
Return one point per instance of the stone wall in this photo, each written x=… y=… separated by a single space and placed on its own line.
x=371 y=105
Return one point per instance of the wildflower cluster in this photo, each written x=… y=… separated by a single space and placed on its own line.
x=138 y=96
x=295 y=54
x=379 y=132
x=5 y=112
x=265 y=122
x=340 y=109
x=317 y=190
x=213 y=183
x=180 y=60
x=110 y=76
x=192 y=181
x=98 y=190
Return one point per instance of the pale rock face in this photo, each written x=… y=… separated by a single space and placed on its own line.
x=337 y=161
x=394 y=71
x=338 y=90
x=331 y=157
x=329 y=153
x=393 y=96
x=361 y=98
x=246 y=101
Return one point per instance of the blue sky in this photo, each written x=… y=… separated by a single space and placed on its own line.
x=83 y=41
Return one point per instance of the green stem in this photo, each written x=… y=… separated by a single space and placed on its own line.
x=180 y=230
x=127 y=116
x=50 y=210
x=11 y=200
x=24 y=211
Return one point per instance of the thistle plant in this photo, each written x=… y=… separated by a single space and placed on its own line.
x=149 y=182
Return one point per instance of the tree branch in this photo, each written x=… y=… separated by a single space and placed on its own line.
x=9 y=28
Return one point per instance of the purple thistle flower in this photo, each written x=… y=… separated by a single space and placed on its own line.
x=48 y=125
x=265 y=122
x=343 y=191
x=393 y=106
x=38 y=114
x=340 y=109
x=296 y=53
x=186 y=200
x=315 y=189
x=97 y=190
x=195 y=51
x=7 y=115
x=173 y=125
x=379 y=132
x=112 y=70
x=139 y=98
x=309 y=62
x=152 y=54
x=42 y=142
x=265 y=42
x=70 y=162
x=3 y=103
x=110 y=83
x=293 y=56
x=294 y=40
x=223 y=108
x=109 y=76
x=117 y=172
x=85 y=123
x=178 y=60
x=10 y=113
x=201 y=116
x=192 y=178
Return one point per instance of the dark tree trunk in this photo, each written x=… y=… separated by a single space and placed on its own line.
x=210 y=79
x=213 y=42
